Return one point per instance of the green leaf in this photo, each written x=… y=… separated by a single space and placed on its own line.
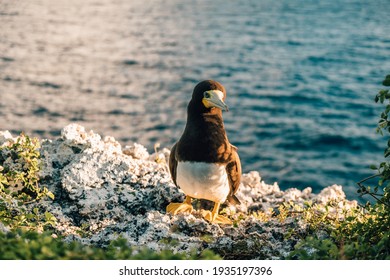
x=386 y=81
x=373 y=167
x=387 y=110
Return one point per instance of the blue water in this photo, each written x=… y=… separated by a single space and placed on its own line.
x=300 y=75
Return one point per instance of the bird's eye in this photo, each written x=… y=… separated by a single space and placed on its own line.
x=207 y=95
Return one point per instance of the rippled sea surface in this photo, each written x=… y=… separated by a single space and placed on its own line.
x=300 y=75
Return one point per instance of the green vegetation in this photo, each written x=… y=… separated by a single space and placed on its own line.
x=19 y=176
x=22 y=245
x=19 y=170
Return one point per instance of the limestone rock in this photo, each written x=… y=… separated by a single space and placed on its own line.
x=5 y=136
x=107 y=192
x=137 y=151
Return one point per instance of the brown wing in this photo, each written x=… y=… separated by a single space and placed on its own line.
x=233 y=169
x=173 y=163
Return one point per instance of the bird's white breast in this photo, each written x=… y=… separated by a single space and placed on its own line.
x=203 y=180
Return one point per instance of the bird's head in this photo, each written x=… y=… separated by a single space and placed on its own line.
x=208 y=95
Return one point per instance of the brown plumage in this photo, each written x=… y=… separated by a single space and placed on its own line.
x=204 y=140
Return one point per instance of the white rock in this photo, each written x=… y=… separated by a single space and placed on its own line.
x=292 y=194
x=75 y=135
x=5 y=136
x=136 y=151
x=334 y=192
x=251 y=179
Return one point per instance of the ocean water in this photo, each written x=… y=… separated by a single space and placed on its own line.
x=300 y=76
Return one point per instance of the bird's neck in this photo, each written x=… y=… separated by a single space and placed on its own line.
x=207 y=123
x=204 y=138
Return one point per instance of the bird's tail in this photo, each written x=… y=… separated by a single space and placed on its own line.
x=232 y=199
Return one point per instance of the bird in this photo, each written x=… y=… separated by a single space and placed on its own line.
x=203 y=163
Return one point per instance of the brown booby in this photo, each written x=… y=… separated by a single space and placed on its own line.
x=203 y=163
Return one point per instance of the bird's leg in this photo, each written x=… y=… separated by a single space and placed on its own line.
x=213 y=216
x=176 y=208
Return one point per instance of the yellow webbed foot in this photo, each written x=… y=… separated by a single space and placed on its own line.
x=213 y=216
x=176 y=208
x=222 y=220
x=218 y=219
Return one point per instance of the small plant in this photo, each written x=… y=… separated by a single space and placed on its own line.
x=381 y=192
x=263 y=216
x=19 y=177
x=316 y=216
x=19 y=170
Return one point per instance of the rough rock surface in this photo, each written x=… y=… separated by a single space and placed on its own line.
x=103 y=191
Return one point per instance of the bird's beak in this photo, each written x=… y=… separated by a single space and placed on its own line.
x=213 y=98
